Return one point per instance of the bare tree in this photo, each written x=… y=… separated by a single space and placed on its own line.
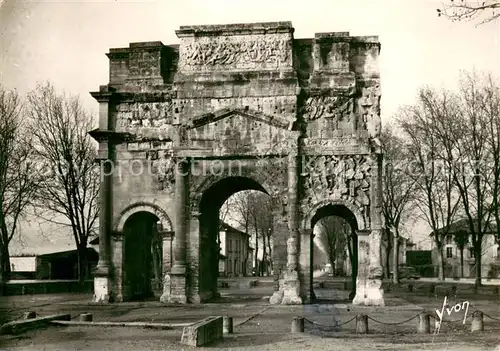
x=332 y=235
x=435 y=192
x=491 y=110
x=458 y=10
x=461 y=239
x=18 y=176
x=470 y=138
x=68 y=196
x=398 y=191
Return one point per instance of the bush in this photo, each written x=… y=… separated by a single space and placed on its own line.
x=494 y=271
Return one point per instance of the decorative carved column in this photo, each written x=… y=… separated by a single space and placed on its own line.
x=363 y=249
x=369 y=281
x=375 y=293
x=176 y=291
x=291 y=284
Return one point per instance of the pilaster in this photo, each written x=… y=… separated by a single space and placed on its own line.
x=103 y=274
x=175 y=285
x=291 y=284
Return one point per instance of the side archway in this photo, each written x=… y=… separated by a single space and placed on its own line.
x=156 y=210
x=354 y=219
x=307 y=220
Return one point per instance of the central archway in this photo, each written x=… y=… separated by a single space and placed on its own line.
x=209 y=206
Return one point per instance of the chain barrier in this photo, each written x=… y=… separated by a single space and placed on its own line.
x=431 y=315
x=490 y=317
x=397 y=323
x=328 y=326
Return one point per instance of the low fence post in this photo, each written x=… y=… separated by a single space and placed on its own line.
x=85 y=317
x=298 y=325
x=362 y=324
x=477 y=321
x=424 y=323
x=227 y=325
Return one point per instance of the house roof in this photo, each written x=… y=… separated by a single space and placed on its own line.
x=225 y=226
x=90 y=252
x=463 y=225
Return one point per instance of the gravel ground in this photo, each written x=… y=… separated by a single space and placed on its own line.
x=258 y=326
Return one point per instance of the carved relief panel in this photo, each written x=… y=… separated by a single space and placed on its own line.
x=343 y=177
x=163 y=168
x=328 y=114
x=147 y=114
x=239 y=134
x=242 y=52
x=369 y=106
x=338 y=107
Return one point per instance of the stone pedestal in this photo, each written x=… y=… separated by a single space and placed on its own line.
x=168 y=238
x=102 y=288
x=174 y=286
x=291 y=289
x=368 y=283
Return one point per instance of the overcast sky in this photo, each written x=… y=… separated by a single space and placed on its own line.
x=66 y=41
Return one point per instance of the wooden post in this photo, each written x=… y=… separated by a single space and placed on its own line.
x=424 y=325
x=298 y=325
x=85 y=317
x=477 y=321
x=362 y=324
x=29 y=315
x=227 y=325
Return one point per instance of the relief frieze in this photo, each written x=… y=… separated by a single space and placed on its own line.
x=342 y=177
x=338 y=106
x=232 y=52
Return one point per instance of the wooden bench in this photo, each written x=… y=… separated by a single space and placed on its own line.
x=203 y=332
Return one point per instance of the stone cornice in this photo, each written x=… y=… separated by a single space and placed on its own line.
x=226 y=112
x=235 y=29
x=108 y=135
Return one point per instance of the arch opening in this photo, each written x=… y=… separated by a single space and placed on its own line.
x=224 y=241
x=142 y=256
x=333 y=254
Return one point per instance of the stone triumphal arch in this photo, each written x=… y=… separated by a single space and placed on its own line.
x=235 y=107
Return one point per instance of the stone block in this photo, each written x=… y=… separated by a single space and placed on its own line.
x=203 y=332
x=17 y=327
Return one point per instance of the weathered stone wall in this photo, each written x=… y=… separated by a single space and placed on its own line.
x=249 y=93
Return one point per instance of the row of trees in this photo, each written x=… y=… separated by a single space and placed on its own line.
x=254 y=212
x=47 y=167
x=442 y=161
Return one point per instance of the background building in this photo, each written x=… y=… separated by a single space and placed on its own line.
x=234 y=252
x=490 y=260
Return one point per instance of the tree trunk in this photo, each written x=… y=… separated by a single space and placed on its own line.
x=5 y=270
x=82 y=263
x=395 y=259
x=461 y=262
x=264 y=260
x=388 y=261
x=354 y=264
x=256 y=254
x=478 y=281
x=270 y=253
x=3 y=278
x=440 y=264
